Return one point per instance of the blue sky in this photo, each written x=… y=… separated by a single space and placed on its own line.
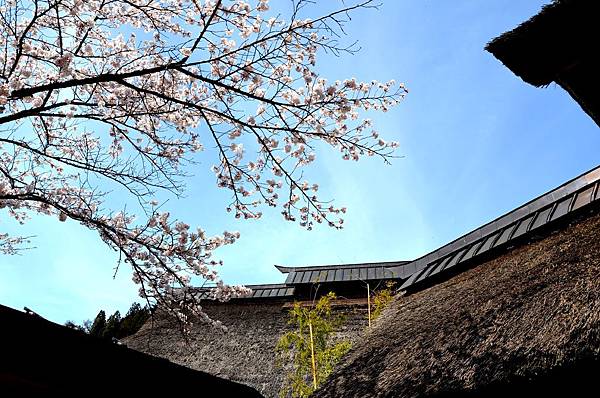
x=476 y=142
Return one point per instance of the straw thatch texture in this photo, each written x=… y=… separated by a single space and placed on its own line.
x=531 y=312
x=246 y=352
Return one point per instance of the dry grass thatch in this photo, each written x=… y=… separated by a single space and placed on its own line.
x=564 y=33
x=530 y=314
x=557 y=45
x=246 y=352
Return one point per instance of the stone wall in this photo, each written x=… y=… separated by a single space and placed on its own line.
x=245 y=353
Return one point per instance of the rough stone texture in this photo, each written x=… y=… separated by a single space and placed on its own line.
x=245 y=353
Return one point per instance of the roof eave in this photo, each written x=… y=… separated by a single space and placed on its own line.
x=539 y=49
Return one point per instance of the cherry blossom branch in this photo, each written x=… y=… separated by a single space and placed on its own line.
x=86 y=109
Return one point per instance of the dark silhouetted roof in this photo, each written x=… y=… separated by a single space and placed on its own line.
x=41 y=358
x=557 y=45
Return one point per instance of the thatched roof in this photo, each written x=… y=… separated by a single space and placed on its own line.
x=525 y=322
x=246 y=352
x=557 y=45
x=541 y=47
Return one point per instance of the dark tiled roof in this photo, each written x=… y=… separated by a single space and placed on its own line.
x=341 y=272
x=501 y=232
x=279 y=290
x=554 y=205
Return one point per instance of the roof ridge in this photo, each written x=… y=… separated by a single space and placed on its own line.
x=258 y=286
x=286 y=269
x=475 y=239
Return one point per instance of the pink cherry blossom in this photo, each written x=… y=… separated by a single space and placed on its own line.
x=102 y=94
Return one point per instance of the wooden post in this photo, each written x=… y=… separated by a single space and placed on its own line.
x=369 y=303
x=312 y=352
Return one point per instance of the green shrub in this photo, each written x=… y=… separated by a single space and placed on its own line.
x=295 y=346
x=381 y=299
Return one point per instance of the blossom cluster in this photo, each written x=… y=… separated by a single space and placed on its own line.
x=84 y=105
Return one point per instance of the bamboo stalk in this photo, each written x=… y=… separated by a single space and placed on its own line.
x=369 y=303
x=312 y=353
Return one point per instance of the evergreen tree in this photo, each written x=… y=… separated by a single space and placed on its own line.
x=112 y=326
x=99 y=324
x=133 y=320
